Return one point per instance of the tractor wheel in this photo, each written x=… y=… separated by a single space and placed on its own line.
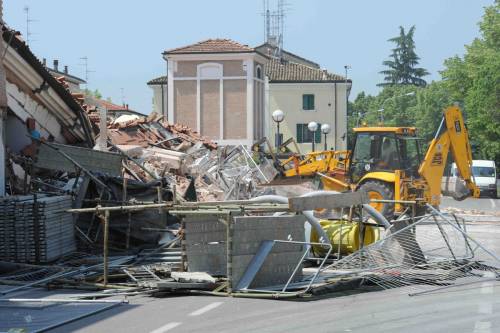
x=378 y=190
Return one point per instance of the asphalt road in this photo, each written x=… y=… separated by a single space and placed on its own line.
x=472 y=310
x=475 y=308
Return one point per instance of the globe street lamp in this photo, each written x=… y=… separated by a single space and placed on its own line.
x=325 y=129
x=381 y=110
x=313 y=127
x=278 y=117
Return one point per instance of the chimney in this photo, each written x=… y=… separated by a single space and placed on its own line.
x=44 y=61
x=65 y=69
x=56 y=65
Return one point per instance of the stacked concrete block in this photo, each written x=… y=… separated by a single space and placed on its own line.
x=206 y=246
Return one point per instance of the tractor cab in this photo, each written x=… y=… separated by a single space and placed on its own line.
x=384 y=149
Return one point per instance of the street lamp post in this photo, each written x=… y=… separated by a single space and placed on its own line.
x=313 y=127
x=381 y=110
x=278 y=117
x=360 y=115
x=325 y=129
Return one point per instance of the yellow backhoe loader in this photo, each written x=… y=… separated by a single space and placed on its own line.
x=387 y=162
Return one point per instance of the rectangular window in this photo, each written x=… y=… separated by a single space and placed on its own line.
x=308 y=102
x=304 y=135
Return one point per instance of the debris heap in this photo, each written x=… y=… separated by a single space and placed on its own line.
x=177 y=152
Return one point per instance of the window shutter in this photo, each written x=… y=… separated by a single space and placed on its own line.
x=299 y=133
x=308 y=102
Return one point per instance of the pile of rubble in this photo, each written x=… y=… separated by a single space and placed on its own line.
x=179 y=153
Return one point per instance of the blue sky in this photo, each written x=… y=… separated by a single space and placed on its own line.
x=124 y=39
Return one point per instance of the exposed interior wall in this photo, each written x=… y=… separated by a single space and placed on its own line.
x=50 y=101
x=24 y=106
x=16 y=133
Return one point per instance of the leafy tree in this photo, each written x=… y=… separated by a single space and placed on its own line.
x=422 y=110
x=401 y=67
x=96 y=93
x=428 y=109
x=474 y=81
x=356 y=112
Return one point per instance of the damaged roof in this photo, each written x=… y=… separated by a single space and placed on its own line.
x=287 y=71
x=145 y=131
x=218 y=45
x=15 y=42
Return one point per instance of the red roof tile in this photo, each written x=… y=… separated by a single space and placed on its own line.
x=288 y=71
x=213 y=46
x=111 y=106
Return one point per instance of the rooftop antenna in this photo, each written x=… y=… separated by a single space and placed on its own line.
x=281 y=22
x=275 y=24
x=87 y=70
x=28 y=21
x=267 y=23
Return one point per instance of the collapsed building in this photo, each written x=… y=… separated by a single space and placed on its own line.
x=102 y=197
x=39 y=107
x=59 y=144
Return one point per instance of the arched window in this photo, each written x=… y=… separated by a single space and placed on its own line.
x=209 y=70
x=259 y=72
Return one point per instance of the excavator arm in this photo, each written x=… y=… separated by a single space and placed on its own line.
x=451 y=135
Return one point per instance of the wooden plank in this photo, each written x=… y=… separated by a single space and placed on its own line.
x=328 y=200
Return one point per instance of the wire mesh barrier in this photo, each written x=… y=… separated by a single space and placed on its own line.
x=431 y=254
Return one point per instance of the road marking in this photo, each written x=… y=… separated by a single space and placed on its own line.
x=482 y=327
x=485 y=308
x=204 y=309
x=166 y=328
x=487 y=288
x=493 y=205
x=489 y=274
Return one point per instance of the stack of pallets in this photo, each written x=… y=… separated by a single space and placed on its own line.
x=35 y=229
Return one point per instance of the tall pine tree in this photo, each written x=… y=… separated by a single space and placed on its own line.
x=401 y=67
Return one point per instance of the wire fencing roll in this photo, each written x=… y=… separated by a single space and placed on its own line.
x=435 y=252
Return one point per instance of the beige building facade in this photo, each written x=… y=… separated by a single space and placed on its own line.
x=329 y=108
x=227 y=92
x=306 y=94
x=216 y=87
x=160 y=95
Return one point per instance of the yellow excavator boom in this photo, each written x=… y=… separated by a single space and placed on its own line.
x=451 y=135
